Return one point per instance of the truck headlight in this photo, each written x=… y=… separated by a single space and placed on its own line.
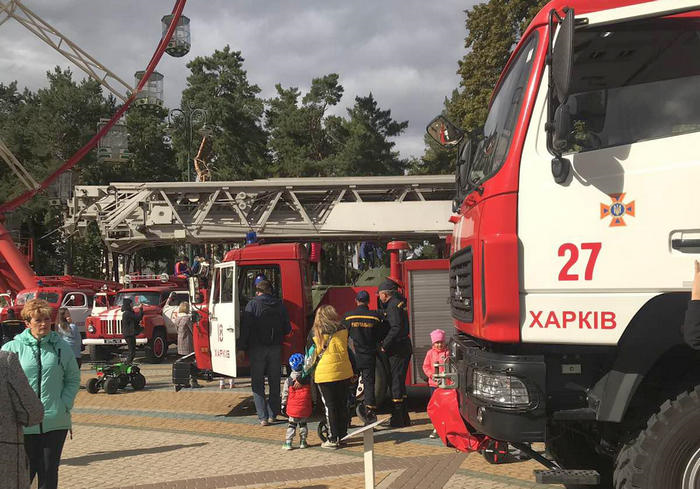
x=91 y=329
x=500 y=388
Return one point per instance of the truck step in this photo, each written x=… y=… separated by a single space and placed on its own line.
x=564 y=476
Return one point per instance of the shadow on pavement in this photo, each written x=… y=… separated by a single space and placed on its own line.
x=97 y=456
x=246 y=407
x=399 y=437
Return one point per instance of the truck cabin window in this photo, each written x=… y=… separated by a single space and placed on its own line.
x=138 y=298
x=635 y=81
x=246 y=281
x=497 y=135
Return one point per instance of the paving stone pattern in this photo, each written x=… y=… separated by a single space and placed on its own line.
x=210 y=439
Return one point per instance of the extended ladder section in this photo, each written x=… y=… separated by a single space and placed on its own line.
x=137 y=215
x=77 y=282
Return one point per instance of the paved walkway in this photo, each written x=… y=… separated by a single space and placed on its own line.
x=210 y=438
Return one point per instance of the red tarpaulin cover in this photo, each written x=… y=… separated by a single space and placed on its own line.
x=443 y=410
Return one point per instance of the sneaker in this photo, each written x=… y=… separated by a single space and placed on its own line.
x=272 y=420
x=264 y=422
x=303 y=444
x=195 y=385
x=287 y=445
x=434 y=434
x=329 y=444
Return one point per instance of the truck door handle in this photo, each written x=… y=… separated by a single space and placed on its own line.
x=230 y=330
x=686 y=245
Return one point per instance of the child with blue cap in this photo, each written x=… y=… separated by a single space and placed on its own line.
x=296 y=402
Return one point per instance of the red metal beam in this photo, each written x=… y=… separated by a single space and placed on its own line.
x=80 y=154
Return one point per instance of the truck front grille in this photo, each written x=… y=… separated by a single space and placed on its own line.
x=461 y=285
x=112 y=326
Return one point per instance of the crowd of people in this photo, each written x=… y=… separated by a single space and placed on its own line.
x=338 y=350
x=40 y=372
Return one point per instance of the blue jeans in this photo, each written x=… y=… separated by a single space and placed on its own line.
x=265 y=362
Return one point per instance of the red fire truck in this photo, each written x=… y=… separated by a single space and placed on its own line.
x=159 y=297
x=74 y=293
x=573 y=245
x=286 y=265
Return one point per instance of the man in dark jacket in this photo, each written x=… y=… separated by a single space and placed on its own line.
x=691 y=326
x=265 y=323
x=397 y=346
x=130 y=327
x=366 y=329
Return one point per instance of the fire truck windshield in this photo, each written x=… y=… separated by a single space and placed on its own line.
x=633 y=82
x=497 y=134
x=51 y=297
x=138 y=298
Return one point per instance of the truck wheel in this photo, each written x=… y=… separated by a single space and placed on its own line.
x=92 y=386
x=157 y=347
x=380 y=383
x=97 y=353
x=667 y=452
x=138 y=381
x=111 y=385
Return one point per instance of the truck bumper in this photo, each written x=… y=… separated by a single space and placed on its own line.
x=523 y=422
x=112 y=341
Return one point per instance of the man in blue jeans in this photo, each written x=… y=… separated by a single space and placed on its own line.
x=265 y=323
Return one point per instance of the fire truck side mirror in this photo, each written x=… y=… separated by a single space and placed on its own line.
x=563 y=57
x=562 y=128
x=444 y=132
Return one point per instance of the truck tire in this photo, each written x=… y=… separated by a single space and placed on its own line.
x=157 y=347
x=667 y=452
x=98 y=353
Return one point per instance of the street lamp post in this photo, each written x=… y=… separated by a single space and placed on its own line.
x=189 y=117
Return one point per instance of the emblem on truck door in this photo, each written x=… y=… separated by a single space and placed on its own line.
x=617 y=210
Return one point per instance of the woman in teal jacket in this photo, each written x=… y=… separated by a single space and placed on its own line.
x=50 y=366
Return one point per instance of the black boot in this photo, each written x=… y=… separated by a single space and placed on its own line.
x=397 y=418
x=405 y=416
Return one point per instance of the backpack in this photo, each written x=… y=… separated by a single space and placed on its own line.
x=269 y=324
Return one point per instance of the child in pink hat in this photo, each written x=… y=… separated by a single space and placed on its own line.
x=437 y=354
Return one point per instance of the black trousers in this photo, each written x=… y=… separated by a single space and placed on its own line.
x=366 y=365
x=335 y=399
x=44 y=454
x=399 y=357
x=131 y=345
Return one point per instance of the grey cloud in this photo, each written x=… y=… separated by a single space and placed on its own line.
x=403 y=51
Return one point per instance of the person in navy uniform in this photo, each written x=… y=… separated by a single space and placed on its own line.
x=366 y=329
x=397 y=346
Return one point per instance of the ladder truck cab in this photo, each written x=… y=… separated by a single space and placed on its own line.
x=74 y=293
x=159 y=297
x=286 y=266
x=576 y=228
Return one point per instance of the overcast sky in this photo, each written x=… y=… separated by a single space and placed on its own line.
x=403 y=51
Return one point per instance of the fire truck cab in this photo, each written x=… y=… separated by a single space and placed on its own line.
x=286 y=266
x=158 y=296
x=74 y=293
x=574 y=239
